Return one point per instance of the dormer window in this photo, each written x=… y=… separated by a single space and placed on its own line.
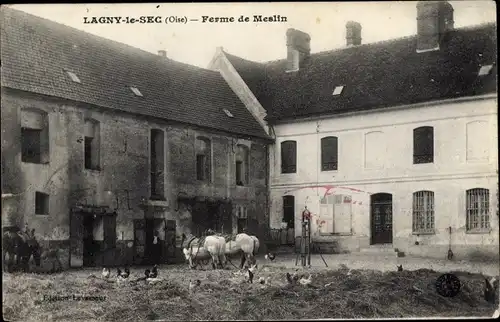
x=136 y=91
x=228 y=113
x=338 y=90
x=485 y=70
x=73 y=76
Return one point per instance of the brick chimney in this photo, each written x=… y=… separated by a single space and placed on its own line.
x=434 y=20
x=162 y=53
x=353 y=33
x=298 y=46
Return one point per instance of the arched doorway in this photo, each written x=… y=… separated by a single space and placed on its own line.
x=381 y=218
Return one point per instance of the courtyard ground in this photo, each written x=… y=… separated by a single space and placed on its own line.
x=367 y=287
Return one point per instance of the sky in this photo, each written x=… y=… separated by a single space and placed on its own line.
x=195 y=42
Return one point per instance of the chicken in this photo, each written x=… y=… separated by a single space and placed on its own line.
x=400 y=268
x=194 y=284
x=122 y=275
x=154 y=272
x=126 y=274
x=270 y=256
x=289 y=278
x=105 y=272
x=147 y=273
x=489 y=290
x=250 y=275
x=305 y=281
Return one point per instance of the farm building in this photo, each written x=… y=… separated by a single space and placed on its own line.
x=103 y=144
x=391 y=145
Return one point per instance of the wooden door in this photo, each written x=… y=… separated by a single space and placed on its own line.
x=109 y=231
x=139 y=240
x=381 y=218
x=76 y=239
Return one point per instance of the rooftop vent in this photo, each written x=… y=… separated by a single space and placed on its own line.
x=227 y=112
x=135 y=90
x=73 y=76
x=338 y=90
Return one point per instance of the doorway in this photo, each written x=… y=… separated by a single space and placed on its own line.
x=381 y=218
x=89 y=244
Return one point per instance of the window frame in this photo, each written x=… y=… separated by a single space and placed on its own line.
x=27 y=146
x=95 y=146
x=156 y=173
x=288 y=167
x=207 y=157
x=45 y=199
x=423 y=140
x=421 y=211
x=483 y=210
x=335 y=156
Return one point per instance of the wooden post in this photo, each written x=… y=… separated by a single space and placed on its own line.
x=309 y=242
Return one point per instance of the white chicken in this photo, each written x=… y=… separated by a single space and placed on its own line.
x=305 y=281
x=194 y=284
x=105 y=272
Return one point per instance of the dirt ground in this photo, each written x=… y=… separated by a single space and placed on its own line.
x=335 y=292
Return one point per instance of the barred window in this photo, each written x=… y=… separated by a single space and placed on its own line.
x=478 y=209
x=288 y=157
x=423 y=212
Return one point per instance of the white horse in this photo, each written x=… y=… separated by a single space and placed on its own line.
x=213 y=247
x=246 y=245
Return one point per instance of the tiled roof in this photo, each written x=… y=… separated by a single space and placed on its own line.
x=36 y=51
x=376 y=75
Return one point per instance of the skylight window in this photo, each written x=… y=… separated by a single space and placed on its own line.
x=485 y=70
x=338 y=90
x=136 y=91
x=73 y=76
x=227 y=112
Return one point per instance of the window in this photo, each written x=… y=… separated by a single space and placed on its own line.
x=329 y=153
x=423 y=145
x=338 y=90
x=375 y=150
x=335 y=214
x=485 y=70
x=31 y=145
x=203 y=159
x=242 y=167
x=478 y=141
x=34 y=136
x=157 y=164
x=289 y=211
x=288 y=157
x=478 y=209
x=423 y=212
x=41 y=203
x=242 y=219
x=136 y=91
x=92 y=138
x=73 y=77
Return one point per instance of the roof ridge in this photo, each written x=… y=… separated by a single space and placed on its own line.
x=96 y=37
x=382 y=42
x=247 y=60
